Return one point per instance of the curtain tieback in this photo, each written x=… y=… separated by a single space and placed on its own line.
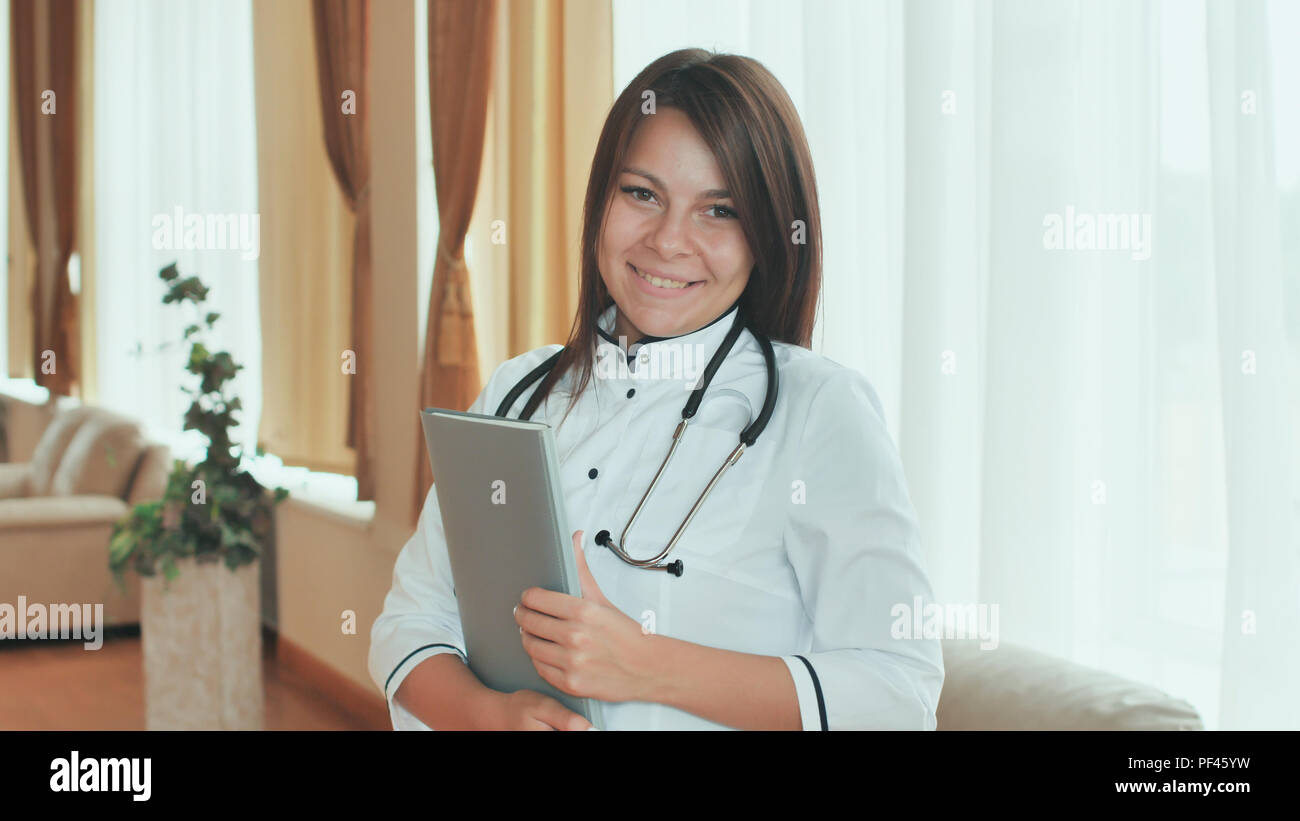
x=361 y=199
x=454 y=317
x=454 y=263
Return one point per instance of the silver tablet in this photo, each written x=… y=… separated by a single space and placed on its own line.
x=503 y=512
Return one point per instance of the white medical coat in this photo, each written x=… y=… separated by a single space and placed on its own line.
x=802 y=550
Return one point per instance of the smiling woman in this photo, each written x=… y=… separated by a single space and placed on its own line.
x=702 y=177
x=672 y=252
x=701 y=232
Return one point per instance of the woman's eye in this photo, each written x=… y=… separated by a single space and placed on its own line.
x=636 y=191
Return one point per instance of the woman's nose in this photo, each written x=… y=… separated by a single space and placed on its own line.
x=669 y=236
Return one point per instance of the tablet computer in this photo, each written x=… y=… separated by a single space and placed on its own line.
x=503 y=513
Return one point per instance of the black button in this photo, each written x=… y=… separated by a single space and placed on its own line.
x=591 y=474
x=630 y=391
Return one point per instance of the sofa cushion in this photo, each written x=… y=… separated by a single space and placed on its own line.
x=13 y=480
x=49 y=450
x=150 y=479
x=1016 y=688
x=100 y=458
x=59 y=515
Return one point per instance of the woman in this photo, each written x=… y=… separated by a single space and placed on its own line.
x=701 y=207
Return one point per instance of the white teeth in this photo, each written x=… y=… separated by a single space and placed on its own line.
x=661 y=283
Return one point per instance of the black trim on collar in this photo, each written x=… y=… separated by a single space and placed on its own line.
x=643 y=340
x=416 y=650
x=817 y=685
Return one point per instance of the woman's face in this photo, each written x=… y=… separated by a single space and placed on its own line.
x=670 y=218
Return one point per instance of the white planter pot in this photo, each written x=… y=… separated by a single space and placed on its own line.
x=202 y=639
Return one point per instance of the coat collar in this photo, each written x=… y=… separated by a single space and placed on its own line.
x=709 y=335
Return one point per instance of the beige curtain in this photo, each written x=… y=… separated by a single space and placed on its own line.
x=22 y=260
x=44 y=39
x=341 y=28
x=305 y=266
x=460 y=65
x=552 y=87
x=89 y=375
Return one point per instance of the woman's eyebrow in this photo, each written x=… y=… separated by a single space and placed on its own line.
x=712 y=193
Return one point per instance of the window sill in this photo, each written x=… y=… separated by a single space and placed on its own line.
x=26 y=390
x=355 y=517
x=328 y=493
x=331 y=494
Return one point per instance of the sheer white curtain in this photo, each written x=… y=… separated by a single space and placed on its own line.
x=174 y=129
x=4 y=200
x=1099 y=441
x=426 y=194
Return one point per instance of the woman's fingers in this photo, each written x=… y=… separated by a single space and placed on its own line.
x=547 y=652
x=540 y=624
x=562 y=718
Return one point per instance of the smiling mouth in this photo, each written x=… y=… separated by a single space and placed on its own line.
x=666 y=284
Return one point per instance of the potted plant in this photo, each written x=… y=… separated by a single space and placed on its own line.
x=197 y=552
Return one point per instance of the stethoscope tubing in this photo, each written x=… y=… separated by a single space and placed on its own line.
x=747 y=439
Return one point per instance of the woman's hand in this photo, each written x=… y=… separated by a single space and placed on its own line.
x=530 y=710
x=586 y=646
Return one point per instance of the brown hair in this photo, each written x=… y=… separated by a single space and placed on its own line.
x=746 y=118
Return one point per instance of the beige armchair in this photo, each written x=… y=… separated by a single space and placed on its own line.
x=57 y=509
x=1015 y=688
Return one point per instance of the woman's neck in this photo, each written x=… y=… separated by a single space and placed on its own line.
x=624 y=328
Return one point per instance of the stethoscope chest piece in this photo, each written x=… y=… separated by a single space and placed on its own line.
x=674 y=567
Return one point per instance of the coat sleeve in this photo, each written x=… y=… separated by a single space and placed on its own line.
x=420 y=618
x=854 y=545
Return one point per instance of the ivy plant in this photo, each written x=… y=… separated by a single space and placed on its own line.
x=211 y=511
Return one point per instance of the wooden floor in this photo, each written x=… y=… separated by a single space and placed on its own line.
x=47 y=685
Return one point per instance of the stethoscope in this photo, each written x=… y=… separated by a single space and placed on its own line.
x=747 y=438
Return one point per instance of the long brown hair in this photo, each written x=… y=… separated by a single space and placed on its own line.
x=746 y=118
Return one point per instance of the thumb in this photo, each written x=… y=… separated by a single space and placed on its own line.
x=590 y=590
